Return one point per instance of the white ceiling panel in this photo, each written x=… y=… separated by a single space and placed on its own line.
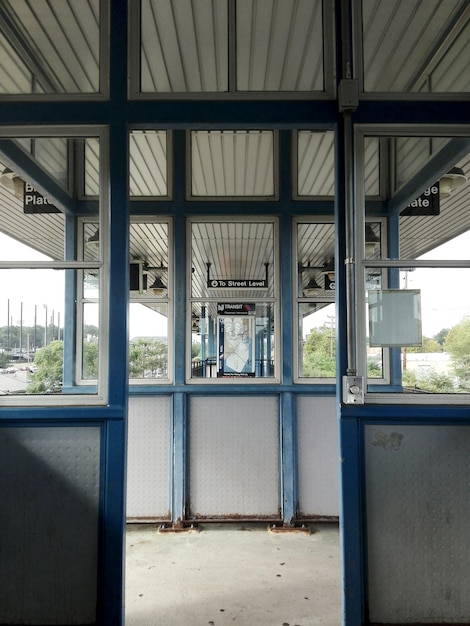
x=417 y=45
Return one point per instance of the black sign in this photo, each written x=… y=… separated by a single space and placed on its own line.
x=330 y=285
x=426 y=204
x=238 y=283
x=235 y=308
x=34 y=202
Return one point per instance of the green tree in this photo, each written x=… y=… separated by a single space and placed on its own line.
x=147 y=358
x=440 y=337
x=432 y=381
x=428 y=345
x=320 y=353
x=457 y=344
x=49 y=362
x=195 y=350
x=90 y=360
x=4 y=359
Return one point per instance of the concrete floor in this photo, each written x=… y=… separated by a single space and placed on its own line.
x=233 y=574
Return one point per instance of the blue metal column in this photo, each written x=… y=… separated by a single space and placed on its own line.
x=351 y=517
x=287 y=408
x=179 y=455
x=114 y=443
x=179 y=423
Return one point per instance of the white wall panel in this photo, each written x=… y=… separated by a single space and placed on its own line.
x=234 y=468
x=148 y=458
x=318 y=456
x=418 y=531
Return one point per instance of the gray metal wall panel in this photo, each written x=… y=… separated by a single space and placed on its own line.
x=417 y=519
x=148 y=458
x=49 y=494
x=234 y=467
x=318 y=456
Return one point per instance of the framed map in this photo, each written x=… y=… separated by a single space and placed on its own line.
x=236 y=340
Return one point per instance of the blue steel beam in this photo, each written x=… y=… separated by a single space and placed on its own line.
x=436 y=167
x=27 y=168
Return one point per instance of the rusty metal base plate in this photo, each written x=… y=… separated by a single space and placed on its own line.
x=286 y=528
x=178 y=528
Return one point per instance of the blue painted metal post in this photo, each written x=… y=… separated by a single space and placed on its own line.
x=288 y=414
x=179 y=418
x=112 y=548
x=179 y=459
x=352 y=527
x=288 y=421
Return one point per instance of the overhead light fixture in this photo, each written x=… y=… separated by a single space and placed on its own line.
x=158 y=287
x=312 y=288
x=451 y=181
x=94 y=240
x=372 y=240
x=11 y=181
x=195 y=328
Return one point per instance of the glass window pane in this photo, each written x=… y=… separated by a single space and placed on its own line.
x=184 y=46
x=269 y=58
x=148 y=163
x=317 y=340
x=316 y=163
x=232 y=340
x=64 y=272
x=232 y=163
x=430 y=193
x=51 y=51
x=233 y=308
x=440 y=364
x=416 y=46
x=90 y=336
x=92 y=167
x=372 y=166
x=32 y=306
x=148 y=341
x=150 y=301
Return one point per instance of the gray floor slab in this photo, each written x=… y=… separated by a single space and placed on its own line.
x=233 y=574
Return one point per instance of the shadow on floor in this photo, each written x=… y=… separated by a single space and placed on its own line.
x=233 y=574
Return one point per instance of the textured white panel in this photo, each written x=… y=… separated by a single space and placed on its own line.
x=49 y=504
x=234 y=456
x=418 y=513
x=318 y=456
x=148 y=458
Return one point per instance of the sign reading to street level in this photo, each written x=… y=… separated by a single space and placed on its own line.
x=34 y=202
x=237 y=283
x=426 y=204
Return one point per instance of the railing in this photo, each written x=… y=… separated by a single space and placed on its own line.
x=207 y=368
